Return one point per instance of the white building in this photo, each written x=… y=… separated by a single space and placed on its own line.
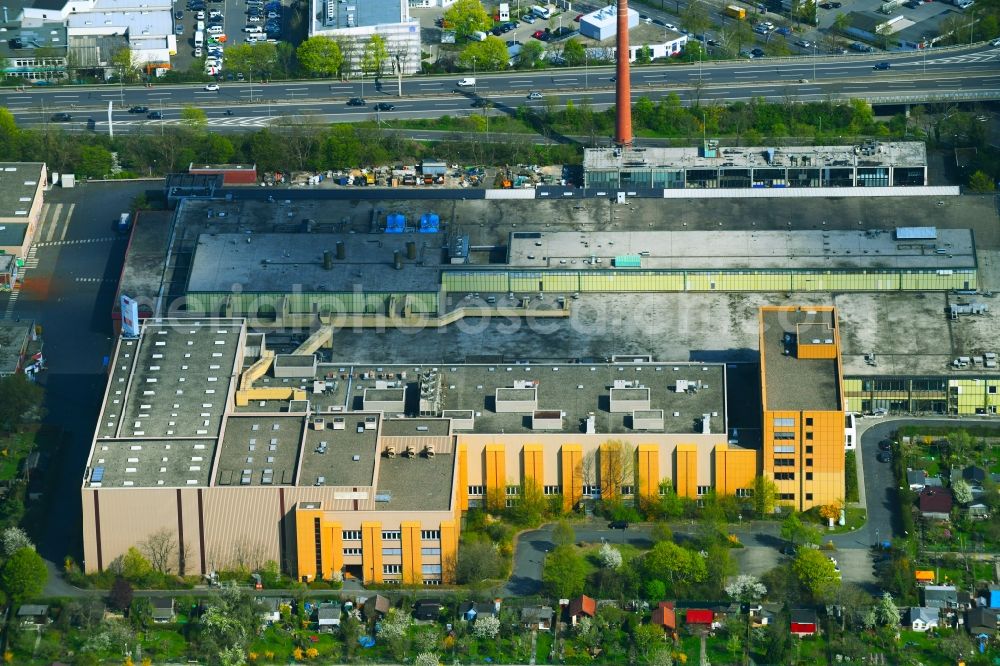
x=146 y=24
x=603 y=23
x=354 y=23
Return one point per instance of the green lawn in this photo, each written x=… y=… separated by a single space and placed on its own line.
x=13 y=450
x=543 y=647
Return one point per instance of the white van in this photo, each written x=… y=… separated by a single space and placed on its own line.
x=543 y=13
x=467 y=82
x=478 y=36
x=199 y=39
x=200 y=26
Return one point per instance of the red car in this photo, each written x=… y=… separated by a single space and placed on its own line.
x=578 y=17
x=539 y=34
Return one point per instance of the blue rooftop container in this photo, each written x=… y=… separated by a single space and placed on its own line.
x=395 y=223
x=430 y=223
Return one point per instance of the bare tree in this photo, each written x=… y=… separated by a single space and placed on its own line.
x=617 y=468
x=159 y=548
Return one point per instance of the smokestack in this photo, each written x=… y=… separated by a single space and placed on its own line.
x=623 y=87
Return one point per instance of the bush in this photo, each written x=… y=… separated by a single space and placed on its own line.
x=851 y=477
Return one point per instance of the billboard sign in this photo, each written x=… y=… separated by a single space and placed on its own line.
x=130 y=317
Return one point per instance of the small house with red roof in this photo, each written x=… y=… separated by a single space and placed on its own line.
x=699 y=617
x=935 y=503
x=665 y=616
x=581 y=607
x=804 y=622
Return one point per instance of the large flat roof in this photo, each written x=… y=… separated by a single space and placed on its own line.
x=13 y=339
x=170 y=383
x=889 y=153
x=700 y=250
x=399 y=488
x=18 y=185
x=798 y=383
x=274 y=262
x=577 y=389
x=342 y=457
x=260 y=450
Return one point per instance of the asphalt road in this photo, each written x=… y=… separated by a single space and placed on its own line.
x=880 y=487
x=916 y=76
x=68 y=289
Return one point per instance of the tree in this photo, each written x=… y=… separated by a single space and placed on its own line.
x=375 y=56
x=574 y=53
x=746 y=588
x=563 y=534
x=694 y=18
x=962 y=491
x=194 y=117
x=531 y=54
x=159 y=549
x=134 y=566
x=478 y=561
x=841 y=22
x=486 y=627
x=661 y=532
x=671 y=563
x=320 y=56
x=260 y=58
x=466 y=17
x=611 y=557
x=617 y=467
x=23 y=575
x=20 y=401
x=490 y=55
x=794 y=530
x=765 y=494
x=140 y=613
x=427 y=659
x=886 y=613
x=94 y=162
x=564 y=573
x=817 y=573
x=121 y=594
x=124 y=62
x=981 y=183
x=14 y=539
x=831 y=512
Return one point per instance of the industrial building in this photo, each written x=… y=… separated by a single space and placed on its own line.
x=873 y=164
x=398 y=264
x=248 y=455
x=33 y=52
x=804 y=416
x=22 y=185
x=356 y=22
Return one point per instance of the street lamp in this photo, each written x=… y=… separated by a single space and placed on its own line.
x=814 y=62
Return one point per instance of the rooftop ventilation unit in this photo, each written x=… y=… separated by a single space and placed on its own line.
x=429 y=451
x=390 y=451
x=410 y=452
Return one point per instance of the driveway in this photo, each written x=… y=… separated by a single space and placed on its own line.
x=880 y=487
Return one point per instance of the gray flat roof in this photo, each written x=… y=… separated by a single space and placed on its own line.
x=148 y=463
x=146 y=257
x=13 y=339
x=889 y=153
x=735 y=250
x=260 y=450
x=795 y=383
x=348 y=459
x=18 y=183
x=277 y=262
x=50 y=36
x=171 y=382
x=576 y=389
x=415 y=483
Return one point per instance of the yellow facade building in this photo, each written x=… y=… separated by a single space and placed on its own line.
x=803 y=404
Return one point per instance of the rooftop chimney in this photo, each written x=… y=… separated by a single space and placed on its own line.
x=623 y=87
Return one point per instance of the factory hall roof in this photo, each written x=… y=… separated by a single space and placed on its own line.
x=265 y=262
x=793 y=383
x=739 y=250
x=893 y=153
x=573 y=391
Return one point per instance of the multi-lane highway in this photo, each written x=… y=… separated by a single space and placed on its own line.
x=969 y=73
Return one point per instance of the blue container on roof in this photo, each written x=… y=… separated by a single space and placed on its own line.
x=430 y=223
x=395 y=223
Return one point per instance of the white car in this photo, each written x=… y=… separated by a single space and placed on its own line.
x=215 y=13
x=253 y=29
x=995 y=42
x=253 y=19
x=200 y=15
x=197 y=52
x=670 y=26
x=212 y=87
x=215 y=30
x=254 y=38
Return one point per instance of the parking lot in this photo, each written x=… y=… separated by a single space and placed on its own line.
x=233 y=20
